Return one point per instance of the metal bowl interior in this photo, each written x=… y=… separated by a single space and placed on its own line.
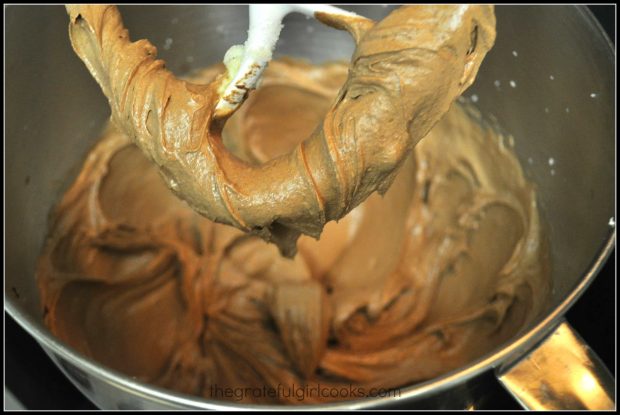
x=549 y=81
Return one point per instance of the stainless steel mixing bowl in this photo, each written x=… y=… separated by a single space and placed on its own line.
x=549 y=81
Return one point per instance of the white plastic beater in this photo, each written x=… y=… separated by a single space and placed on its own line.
x=246 y=63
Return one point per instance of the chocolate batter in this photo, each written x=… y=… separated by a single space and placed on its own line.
x=444 y=267
x=405 y=72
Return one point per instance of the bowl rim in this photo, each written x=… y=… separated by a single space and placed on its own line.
x=517 y=347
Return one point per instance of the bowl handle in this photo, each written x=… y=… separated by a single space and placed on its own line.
x=562 y=372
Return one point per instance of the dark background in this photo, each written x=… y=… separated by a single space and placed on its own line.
x=38 y=383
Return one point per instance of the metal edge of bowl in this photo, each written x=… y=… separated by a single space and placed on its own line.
x=439 y=384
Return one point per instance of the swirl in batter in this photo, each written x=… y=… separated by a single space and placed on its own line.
x=447 y=265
